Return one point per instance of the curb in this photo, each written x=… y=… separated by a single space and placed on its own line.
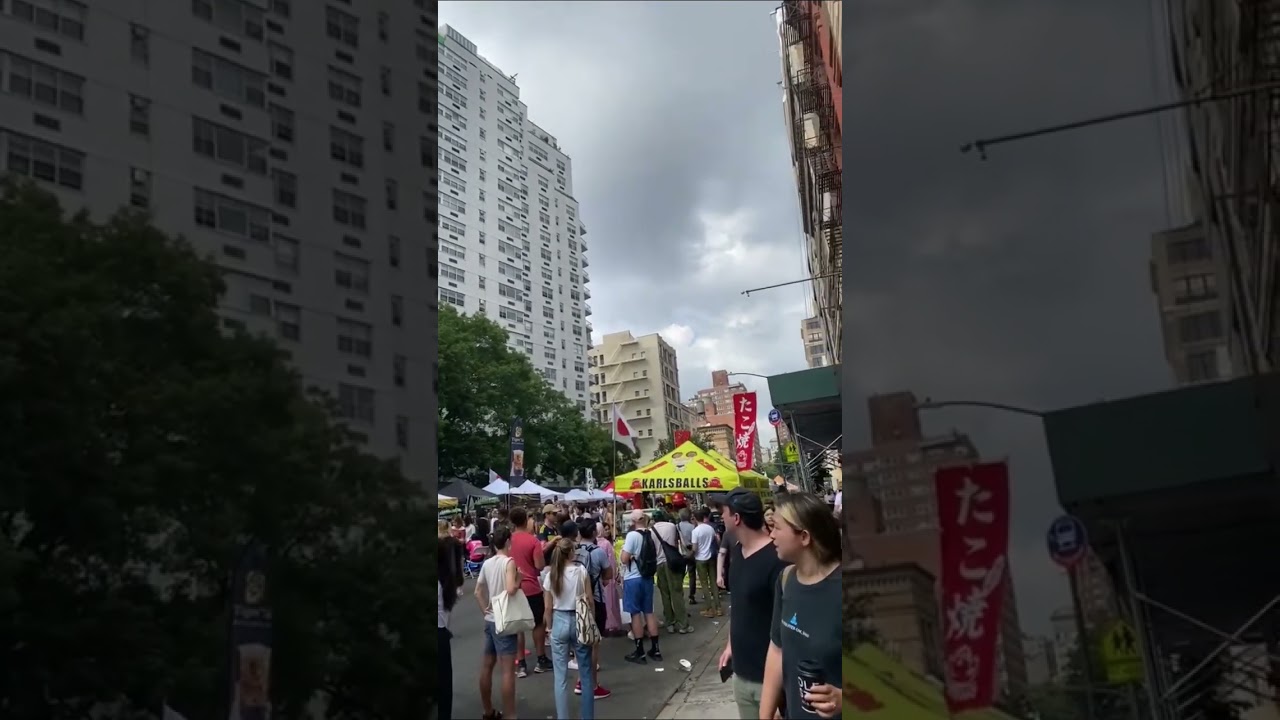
x=701 y=663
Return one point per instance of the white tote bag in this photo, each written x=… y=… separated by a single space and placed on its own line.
x=511 y=613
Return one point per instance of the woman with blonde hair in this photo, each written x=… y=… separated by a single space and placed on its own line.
x=565 y=582
x=803 y=665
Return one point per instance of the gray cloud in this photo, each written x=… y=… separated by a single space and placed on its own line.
x=672 y=115
x=1020 y=280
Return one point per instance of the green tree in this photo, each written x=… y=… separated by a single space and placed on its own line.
x=483 y=384
x=140 y=448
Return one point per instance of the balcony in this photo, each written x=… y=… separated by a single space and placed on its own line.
x=586 y=310
x=586 y=293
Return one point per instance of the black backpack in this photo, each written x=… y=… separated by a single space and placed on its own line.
x=647 y=563
x=675 y=561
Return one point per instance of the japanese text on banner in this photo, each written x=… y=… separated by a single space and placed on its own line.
x=744 y=429
x=973 y=520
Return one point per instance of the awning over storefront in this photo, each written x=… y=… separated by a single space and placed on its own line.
x=1189 y=474
x=809 y=401
x=1160 y=442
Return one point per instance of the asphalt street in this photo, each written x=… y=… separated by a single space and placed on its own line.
x=639 y=691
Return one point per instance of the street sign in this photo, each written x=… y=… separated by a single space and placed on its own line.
x=775 y=417
x=1121 y=656
x=791 y=452
x=1067 y=541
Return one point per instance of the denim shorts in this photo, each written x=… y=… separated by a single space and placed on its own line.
x=637 y=595
x=495 y=644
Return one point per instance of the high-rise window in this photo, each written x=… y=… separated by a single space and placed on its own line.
x=343 y=27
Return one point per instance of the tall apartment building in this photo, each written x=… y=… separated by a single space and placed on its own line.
x=1189 y=280
x=1232 y=148
x=499 y=173
x=812 y=80
x=717 y=411
x=891 y=513
x=814 y=335
x=641 y=375
x=272 y=137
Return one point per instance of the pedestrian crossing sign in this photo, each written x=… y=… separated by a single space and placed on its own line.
x=1121 y=654
x=791 y=452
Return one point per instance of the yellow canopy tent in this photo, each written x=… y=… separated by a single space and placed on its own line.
x=689 y=469
x=445 y=502
x=877 y=687
x=755 y=477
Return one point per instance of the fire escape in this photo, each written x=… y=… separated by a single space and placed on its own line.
x=1264 y=207
x=816 y=137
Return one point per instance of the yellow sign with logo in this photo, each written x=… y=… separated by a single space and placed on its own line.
x=689 y=469
x=791 y=452
x=1122 y=654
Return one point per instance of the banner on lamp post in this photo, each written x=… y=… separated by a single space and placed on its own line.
x=516 y=477
x=682 y=437
x=744 y=429
x=973 y=523
x=249 y=651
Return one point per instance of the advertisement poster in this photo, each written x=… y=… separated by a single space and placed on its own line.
x=250 y=641
x=516 y=476
x=973 y=520
x=744 y=430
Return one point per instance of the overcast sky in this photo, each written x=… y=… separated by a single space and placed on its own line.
x=1020 y=280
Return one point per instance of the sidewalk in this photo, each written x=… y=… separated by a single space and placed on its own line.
x=702 y=695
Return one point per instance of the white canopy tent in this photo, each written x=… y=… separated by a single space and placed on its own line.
x=577 y=495
x=501 y=487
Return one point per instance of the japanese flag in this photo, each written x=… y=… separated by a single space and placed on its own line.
x=622 y=432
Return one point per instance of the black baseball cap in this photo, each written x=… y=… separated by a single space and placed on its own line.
x=739 y=501
x=569 y=529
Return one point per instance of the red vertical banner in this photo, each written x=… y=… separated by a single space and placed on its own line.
x=973 y=521
x=682 y=437
x=744 y=429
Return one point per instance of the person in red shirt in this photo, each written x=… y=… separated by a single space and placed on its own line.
x=526 y=550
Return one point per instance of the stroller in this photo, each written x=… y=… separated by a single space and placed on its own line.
x=476 y=553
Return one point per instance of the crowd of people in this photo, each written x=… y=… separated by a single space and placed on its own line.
x=779 y=560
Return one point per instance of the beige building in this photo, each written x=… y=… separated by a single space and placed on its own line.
x=1189 y=279
x=904 y=611
x=816 y=350
x=641 y=375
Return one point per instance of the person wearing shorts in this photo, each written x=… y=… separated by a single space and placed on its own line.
x=498 y=575
x=637 y=590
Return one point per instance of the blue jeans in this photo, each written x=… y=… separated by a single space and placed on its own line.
x=564 y=639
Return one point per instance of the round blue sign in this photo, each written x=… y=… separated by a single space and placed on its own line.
x=1067 y=541
x=775 y=417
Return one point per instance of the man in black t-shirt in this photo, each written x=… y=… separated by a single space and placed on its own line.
x=754 y=568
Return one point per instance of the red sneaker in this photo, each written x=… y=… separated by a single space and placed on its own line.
x=601 y=693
